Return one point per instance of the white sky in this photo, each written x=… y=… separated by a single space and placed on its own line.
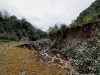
x=46 y=13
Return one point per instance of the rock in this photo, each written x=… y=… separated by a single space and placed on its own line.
x=46 y=59
x=23 y=73
x=58 y=55
x=33 y=72
x=61 y=62
x=51 y=55
x=56 y=61
x=39 y=49
x=48 y=51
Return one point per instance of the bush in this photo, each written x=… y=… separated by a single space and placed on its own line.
x=40 y=43
x=7 y=36
x=85 y=57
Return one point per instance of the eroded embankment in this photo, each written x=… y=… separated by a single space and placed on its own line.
x=80 y=33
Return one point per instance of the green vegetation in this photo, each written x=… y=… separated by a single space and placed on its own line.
x=40 y=43
x=84 y=56
x=91 y=14
x=55 y=32
x=3 y=41
x=14 y=29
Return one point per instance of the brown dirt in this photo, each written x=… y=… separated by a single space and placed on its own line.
x=20 y=61
x=80 y=33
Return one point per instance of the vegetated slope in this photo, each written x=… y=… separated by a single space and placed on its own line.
x=80 y=42
x=90 y=14
x=81 y=45
x=18 y=61
x=64 y=35
x=12 y=28
x=80 y=33
x=81 y=29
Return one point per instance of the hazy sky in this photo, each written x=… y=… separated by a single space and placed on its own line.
x=45 y=13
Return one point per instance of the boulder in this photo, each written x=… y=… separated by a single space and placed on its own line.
x=58 y=55
x=61 y=62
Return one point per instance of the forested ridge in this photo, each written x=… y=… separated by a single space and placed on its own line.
x=90 y=14
x=14 y=29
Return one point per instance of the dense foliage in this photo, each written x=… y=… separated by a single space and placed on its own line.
x=55 y=32
x=92 y=13
x=12 y=28
x=85 y=57
x=89 y=15
x=39 y=44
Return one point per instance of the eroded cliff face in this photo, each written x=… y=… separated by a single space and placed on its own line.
x=80 y=33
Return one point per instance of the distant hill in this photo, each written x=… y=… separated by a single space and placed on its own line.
x=90 y=14
x=4 y=13
x=12 y=28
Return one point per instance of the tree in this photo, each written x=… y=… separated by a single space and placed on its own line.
x=1 y=16
x=19 y=29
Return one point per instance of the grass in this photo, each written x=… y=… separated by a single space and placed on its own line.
x=3 y=42
x=20 y=61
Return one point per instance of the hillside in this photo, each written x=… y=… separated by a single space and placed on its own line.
x=64 y=50
x=90 y=14
x=14 y=29
x=80 y=42
x=80 y=33
x=80 y=30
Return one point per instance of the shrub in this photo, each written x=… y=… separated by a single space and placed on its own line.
x=85 y=57
x=40 y=43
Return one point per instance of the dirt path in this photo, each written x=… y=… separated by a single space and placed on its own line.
x=50 y=58
x=21 y=61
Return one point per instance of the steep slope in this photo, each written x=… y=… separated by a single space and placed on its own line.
x=81 y=29
x=90 y=14
x=80 y=42
x=63 y=36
